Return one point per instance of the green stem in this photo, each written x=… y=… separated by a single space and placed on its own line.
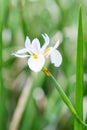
x=63 y=95
x=66 y=100
x=1 y=81
x=3 y=21
x=79 y=75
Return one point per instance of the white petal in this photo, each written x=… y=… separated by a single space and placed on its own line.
x=57 y=44
x=48 y=51
x=52 y=48
x=20 y=56
x=35 y=46
x=22 y=51
x=56 y=58
x=36 y=64
x=46 y=39
x=27 y=43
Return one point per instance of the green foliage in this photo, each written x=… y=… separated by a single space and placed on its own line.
x=79 y=74
x=33 y=17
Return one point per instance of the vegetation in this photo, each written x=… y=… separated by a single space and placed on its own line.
x=28 y=100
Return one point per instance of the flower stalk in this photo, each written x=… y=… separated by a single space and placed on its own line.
x=46 y=71
x=63 y=95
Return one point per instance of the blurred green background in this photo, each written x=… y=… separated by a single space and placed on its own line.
x=29 y=101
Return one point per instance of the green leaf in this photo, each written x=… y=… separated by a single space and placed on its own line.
x=79 y=74
x=3 y=97
x=1 y=85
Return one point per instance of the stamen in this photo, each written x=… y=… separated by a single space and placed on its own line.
x=46 y=51
x=35 y=56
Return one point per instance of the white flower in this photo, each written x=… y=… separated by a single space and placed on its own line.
x=37 y=55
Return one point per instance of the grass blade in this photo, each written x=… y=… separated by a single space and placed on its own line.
x=3 y=91
x=1 y=82
x=79 y=75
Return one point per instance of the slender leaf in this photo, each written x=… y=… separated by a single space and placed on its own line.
x=79 y=75
x=3 y=21
x=1 y=81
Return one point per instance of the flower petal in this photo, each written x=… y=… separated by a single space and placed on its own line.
x=57 y=44
x=35 y=46
x=49 y=50
x=56 y=58
x=36 y=64
x=27 y=43
x=46 y=39
x=20 y=56
x=22 y=51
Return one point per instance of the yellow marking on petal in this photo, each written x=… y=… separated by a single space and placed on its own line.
x=46 y=51
x=35 y=56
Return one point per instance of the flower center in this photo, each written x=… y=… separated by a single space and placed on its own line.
x=35 y=56
x=46 y=51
